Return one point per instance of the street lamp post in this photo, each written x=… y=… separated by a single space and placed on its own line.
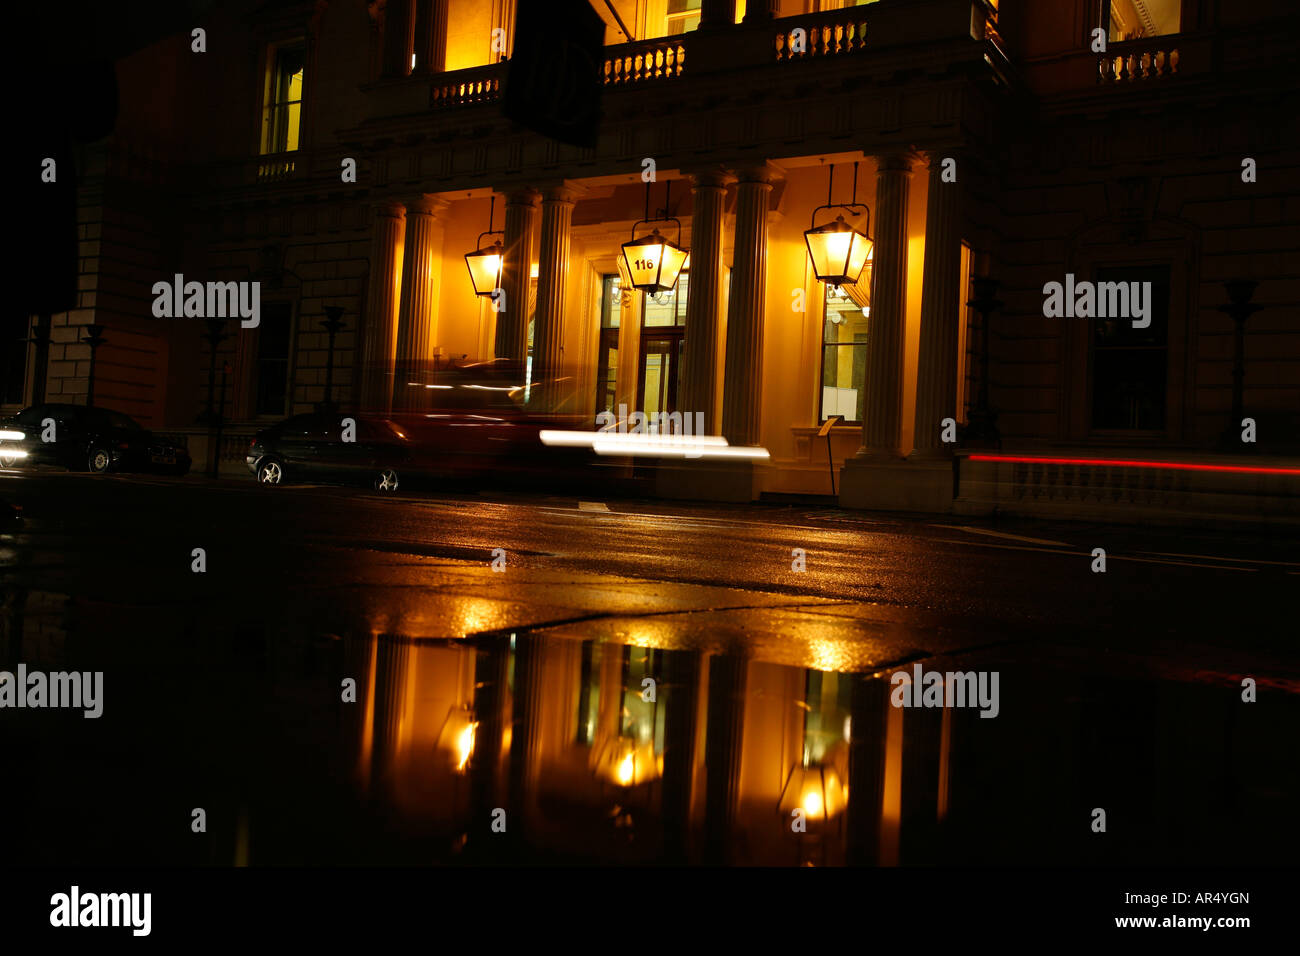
x=333 y=325
x=982 y=428
x=1240 y=308
x=94 y=338
x=40 y=337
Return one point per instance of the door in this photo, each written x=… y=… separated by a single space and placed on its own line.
x=661 y=360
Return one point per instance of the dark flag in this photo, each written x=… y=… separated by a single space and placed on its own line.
x=554 y=82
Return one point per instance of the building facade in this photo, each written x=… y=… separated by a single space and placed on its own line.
x=1149 y=143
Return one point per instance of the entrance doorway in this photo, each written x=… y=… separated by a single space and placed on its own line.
x=661 y=361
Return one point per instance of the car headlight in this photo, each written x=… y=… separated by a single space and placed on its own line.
x=8 y=434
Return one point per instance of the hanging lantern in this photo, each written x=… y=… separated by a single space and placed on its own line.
x=839 y=252
x=652 y=263
x=485 y=263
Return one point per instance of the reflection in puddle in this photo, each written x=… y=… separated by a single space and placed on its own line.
x=539 y=747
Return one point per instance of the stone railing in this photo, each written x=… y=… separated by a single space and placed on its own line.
x=643 y=60
x=276 y=167
x=827 y=34
x=481 y=84
x=1139 y=60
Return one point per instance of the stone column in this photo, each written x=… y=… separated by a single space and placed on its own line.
x=399 y=37
x=552 y=282
x=936 y=375
x=760 y=11
x=417 y=325
x=681 y=684
x=379 y=345
x=512 y=322
x=884 y=385
x=704 y=298
x=431 y=36
x=717 y=13
x=742 y=388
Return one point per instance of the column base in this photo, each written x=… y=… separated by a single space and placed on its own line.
x=710 y=480
x=897 y=484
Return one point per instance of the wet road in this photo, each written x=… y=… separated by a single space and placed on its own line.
x=229 y=675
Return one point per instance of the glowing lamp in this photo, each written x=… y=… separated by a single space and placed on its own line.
x=485 y=267
x=839 y=252
x=816 y=790
x=653 y=263
x=485 y=262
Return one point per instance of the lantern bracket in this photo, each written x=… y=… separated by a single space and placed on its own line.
x=844 y=205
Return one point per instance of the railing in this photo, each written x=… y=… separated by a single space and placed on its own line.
x=482 y=84
x=643 y=60
x=830 y=34
x=275 y=167
x=1139 y=60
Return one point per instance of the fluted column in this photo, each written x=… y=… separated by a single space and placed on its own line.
x=704 y=298
x=417 y=325
x=723 y=743
x=526 y=735
x=936 y=375
x=883 y=423
x=399 y=37
x=742 y=389
x=431 y=35
x=383 y=292
x=552 y=282
x=512 y=323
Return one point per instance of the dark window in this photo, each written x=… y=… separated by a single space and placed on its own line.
x=1129 y=365
x=272 y=367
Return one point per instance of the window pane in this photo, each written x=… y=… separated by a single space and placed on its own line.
x=844 y=358
x=1130 y=365
x=272 y=368
x=1137 y=19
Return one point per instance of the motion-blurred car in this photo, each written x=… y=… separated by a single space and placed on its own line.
x=331 y=447
x=86 y=439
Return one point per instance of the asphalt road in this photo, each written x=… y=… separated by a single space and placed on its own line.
x=880 y=588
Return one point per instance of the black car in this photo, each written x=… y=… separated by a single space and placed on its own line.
x=331 y=447
x=86 y=439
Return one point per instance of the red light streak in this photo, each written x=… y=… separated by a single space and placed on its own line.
x=1134 y=463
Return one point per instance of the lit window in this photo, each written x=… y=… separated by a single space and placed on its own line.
x=844 y=351
x=1138 y=19
x=283 y=114
x=683 y=16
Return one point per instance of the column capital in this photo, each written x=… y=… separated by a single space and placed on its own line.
x=389 y=209
x=709 y=177
x=764 y=173
x=427 y=206
x=565 y=191
x=899 y=162
x=520 y=195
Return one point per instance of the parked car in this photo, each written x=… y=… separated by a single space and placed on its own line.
x=86 y=439
x=331 y=447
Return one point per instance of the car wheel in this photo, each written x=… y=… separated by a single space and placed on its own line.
x=386 y=480
x=270 y=471
x=98 y=460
